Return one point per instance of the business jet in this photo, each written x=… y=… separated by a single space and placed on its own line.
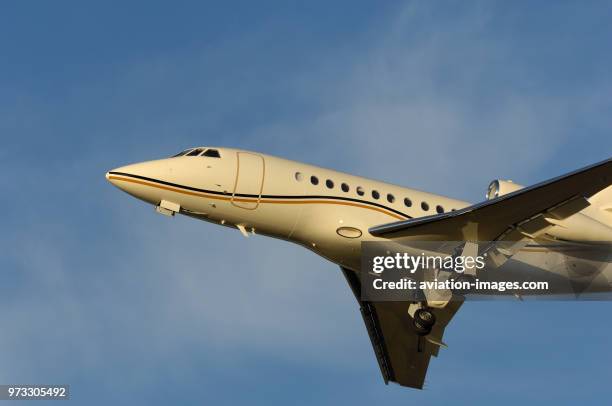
x=332 y=213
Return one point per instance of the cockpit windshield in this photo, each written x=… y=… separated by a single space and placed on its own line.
x=182 y=153
x=207 y=152
x=196 y=152
x=212 y=153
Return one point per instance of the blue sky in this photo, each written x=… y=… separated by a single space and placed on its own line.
x=131 y=307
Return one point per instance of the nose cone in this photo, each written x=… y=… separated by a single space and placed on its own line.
x=115 y=177
x=140 y=179
x=108 y=176
x=121 y=177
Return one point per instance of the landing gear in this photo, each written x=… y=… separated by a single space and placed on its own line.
x=423 y=320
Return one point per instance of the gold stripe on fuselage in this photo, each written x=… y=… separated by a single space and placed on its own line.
x=253 y=200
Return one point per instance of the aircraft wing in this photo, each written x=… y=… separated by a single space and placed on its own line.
x=403 y=356
x=512 y=216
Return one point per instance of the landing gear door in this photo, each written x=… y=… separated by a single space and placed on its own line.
x=250 y=174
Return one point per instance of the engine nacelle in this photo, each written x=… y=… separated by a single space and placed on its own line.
x=500 y=187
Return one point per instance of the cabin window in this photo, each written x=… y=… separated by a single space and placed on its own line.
x=390 y=198
x=212 y=153
x=345 y=188
x=375 y=194
x=195 y=152
x=424 y=206
x=439 y=209
x=181 y=153
x=329 y=183
x=314 y=180
x=407 y=202
x=299 y=177
x=360 y=191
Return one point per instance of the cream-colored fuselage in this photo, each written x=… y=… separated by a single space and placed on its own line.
x=326 y=211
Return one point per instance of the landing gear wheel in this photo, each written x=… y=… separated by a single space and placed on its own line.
x=425 y=317
x=420 y=329
x=423 y=321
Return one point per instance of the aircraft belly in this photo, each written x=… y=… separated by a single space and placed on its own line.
x=320 y=228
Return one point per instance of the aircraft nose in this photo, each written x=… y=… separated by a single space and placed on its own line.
x=119 y=176
x=115 y=179
x=139 y=179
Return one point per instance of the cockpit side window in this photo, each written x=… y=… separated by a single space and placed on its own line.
x=212 y=153
x=181 y=153
x=195 y=152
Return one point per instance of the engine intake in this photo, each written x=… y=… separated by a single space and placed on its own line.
x=500 y=187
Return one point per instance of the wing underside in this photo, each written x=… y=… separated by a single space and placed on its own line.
x=402 y=355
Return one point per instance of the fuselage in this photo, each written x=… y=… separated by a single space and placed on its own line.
x=324 y=210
